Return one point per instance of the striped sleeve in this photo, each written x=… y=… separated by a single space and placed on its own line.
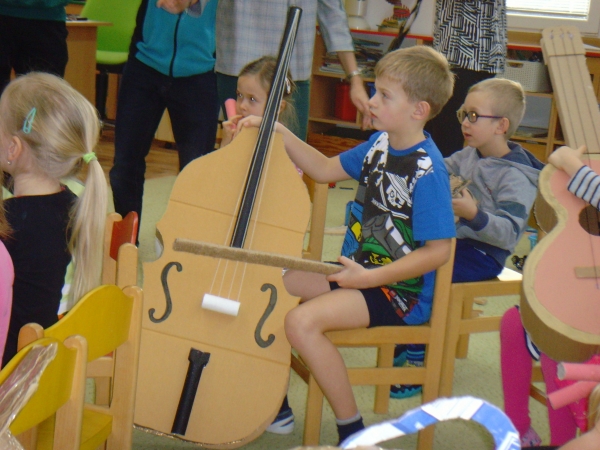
x=586 y=185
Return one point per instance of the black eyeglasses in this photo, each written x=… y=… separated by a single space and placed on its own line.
x=472 y=116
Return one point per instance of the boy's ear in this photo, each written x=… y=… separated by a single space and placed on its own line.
x=503 y=125
x=422 y=110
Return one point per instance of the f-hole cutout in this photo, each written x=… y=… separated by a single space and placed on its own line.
x=589 y=219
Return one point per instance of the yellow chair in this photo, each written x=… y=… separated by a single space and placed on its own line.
x=384 y=374
x=110 y=320
x=60 y=392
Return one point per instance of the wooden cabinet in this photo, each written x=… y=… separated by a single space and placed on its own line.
x=329 y=134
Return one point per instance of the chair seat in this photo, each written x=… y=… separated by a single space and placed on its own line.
x=111 y=58
x=97 y=427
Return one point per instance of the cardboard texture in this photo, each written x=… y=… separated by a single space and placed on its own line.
x=242 y=386
x=559 y=311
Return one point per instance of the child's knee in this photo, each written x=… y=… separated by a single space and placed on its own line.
x=296 y=325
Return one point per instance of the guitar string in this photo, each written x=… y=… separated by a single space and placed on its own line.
x=278 y=79
x=593 y=141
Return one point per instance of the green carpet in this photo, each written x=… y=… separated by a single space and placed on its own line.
x=478 y=375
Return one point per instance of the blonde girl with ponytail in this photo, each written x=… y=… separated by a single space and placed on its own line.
x=48 y=132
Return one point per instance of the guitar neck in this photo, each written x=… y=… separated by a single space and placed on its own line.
x=573 y=91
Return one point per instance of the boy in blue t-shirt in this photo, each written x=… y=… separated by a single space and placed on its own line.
x=400 y=228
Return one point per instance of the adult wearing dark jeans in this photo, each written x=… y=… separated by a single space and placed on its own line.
x=33 y=37
x=170 y=66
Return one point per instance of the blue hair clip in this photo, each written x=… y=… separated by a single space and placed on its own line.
x=28 y=122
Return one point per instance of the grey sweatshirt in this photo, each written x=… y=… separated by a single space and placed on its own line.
x=505 y=189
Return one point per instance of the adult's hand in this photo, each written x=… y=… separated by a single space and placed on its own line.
x=358 y=93
x=360 y=98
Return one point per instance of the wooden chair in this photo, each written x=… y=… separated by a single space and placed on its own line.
x=110 y=319
x=119 y=267
x=318 y=196
x=60 y=393
x=120 y=253
x=463 y=320
x=384 y=374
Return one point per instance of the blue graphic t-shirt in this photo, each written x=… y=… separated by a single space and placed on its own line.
x=403 y=199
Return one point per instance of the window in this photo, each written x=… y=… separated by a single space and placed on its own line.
x=539 y=14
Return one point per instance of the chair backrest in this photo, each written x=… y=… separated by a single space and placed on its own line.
x=121 y=13
x=120 y=253
x=61 y=389
x=110 y=320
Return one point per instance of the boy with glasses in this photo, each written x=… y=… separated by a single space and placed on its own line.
x=493 y=211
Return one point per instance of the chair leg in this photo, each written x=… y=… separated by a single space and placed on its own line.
x=385 y=358
x=450 y=342
x=462 y=347
x=425 y=438
x=314 y=413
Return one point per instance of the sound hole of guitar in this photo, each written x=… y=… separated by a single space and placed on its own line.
x=589 y=220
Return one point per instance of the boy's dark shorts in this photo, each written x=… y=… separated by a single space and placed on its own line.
x=381 y=311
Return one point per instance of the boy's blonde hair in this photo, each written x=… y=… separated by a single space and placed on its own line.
x=62 y=129
x=507 y=99
x=423 y=72
x=264 y=69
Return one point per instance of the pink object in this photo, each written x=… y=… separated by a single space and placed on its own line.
x=589 y=371
x=230 y=108
x=516 y=369
x=563 y=421
x=571 y=393
x=516 y=366
x=6 y=284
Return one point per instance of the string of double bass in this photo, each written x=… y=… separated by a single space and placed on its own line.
x=575 y=97
x=253 y=188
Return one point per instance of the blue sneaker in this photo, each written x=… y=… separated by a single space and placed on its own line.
x=400 y=352
x=283 y=423
x=405 y=390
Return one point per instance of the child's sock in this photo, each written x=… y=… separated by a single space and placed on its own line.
x=347 y=427
x=415 y=354
x=415 y=357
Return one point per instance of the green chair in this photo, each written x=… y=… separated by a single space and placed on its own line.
x=113 y=42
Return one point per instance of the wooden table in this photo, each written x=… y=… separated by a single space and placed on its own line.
x=81 y=68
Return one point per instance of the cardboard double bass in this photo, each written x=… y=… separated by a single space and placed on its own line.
x=560 y=307
x=214 y=359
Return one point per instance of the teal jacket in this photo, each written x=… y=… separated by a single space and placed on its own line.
x=175 y=45
x=34 y=9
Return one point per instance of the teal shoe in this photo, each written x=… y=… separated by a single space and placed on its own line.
x=405 y=390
